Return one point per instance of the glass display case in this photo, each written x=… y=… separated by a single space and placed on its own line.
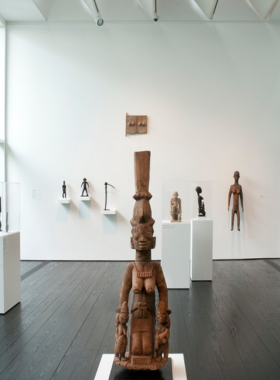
x=10 y=206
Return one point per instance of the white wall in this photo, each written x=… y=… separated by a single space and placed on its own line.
x=212 y=94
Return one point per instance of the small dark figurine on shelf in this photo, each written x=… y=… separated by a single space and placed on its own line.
x=201 y=208
x=64 y=190
x=85 y=186
x=0 y=215
x=106 y=184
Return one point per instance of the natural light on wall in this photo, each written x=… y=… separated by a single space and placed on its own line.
x=2 y=81
x=208 y=7
x=264 y=8
x=2 y=97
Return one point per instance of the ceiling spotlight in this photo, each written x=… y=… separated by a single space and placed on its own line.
x=208 y=7
x=92 y=5
x=264 y=8
x=150 y=8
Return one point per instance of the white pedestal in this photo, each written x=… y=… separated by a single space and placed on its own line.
x=201 y=249
x=9 y=270
x=106 y=362
x=109 y=212
x=85 y=199
x=64 y=200
x=175 y=259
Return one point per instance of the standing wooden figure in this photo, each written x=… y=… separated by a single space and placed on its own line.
x=236 y=190
x=143 y=276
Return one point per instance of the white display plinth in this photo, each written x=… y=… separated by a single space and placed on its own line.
x=84 y=199
x=64 y=200
x=9 y=270
x=109 y=212
x=106 y=362
x=175 y=259
x=201 y=249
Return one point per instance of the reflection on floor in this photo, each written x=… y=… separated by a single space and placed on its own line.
x=227 y=329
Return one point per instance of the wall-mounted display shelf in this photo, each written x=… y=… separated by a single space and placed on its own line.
x=85 y=199
x=64 y=200
x=109 y=212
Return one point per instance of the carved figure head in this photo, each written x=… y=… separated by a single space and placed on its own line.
x=198 y=190
x=162 y=313
x=123 y=316
x=142 y=236
x=175 y=195
x=236 y=176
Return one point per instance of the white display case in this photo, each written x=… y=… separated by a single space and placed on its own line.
x=10 y=206
x=9 y=246
x=207 y=194
x=175 y=258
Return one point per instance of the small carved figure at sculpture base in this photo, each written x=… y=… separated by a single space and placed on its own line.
x=201 y=207
x=175 y=208
x=236 y=190
x=162 y=333
x=142 y=276
x=121 y=332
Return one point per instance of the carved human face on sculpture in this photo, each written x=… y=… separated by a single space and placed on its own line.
x=142 y=237
x=175 y=195
x=236 y=176
x=123 y=318
x=162 y=317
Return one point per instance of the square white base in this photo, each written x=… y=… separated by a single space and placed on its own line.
x=106 y=362
x=201 y=249
x=9 y=270
x=109 y=212
x=64 y=200
x=85 y=199
x=175 y=258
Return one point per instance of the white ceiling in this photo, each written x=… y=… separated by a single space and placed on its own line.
x=127 y=10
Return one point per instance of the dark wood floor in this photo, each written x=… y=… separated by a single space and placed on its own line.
x=227 y=329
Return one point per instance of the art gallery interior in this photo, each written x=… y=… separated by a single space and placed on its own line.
x=84 y=84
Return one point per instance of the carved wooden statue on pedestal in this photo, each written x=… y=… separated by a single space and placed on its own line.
x=175 y=208
x=148 y=347
x=236 y=190
x=201 y=207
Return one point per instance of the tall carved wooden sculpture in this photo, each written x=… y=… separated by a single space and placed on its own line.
x=236 y=190
x=148 y=344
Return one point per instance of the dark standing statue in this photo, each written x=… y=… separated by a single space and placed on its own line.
x=143 y=276
x=64 y=190
x=201 y=207
x=85 y=186
x=236 y=190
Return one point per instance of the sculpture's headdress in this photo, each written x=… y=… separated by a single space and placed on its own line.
x=142 y=212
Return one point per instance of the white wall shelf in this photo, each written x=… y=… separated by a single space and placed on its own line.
x=109 y=212
x=85 y=199
x=64 y=200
